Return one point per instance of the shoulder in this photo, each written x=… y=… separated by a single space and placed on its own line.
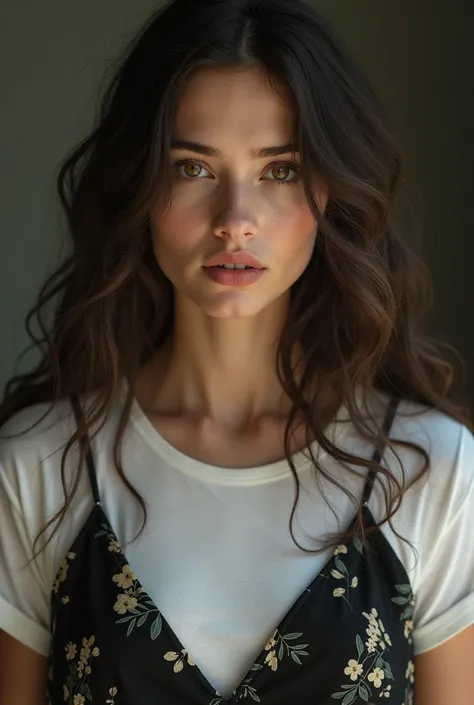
x=42 y=425
x=31 y=448
x=447 y=443
x=449 y=446
x=438 y=495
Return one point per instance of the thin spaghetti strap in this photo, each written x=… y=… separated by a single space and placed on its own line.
x=89 y=458
x=378 y=453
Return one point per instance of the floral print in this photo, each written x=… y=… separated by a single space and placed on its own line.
x=135 y=603
x=367 y=673
x=375 y=641
x=76 y=689
x=371 y=667
x=112 y=692
x=405 y=599
x=63 y=571
x=353 y=669
x=179 y=659
x=341 y=573
x=280 y=642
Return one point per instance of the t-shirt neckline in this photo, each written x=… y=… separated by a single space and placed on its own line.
x=256 y=475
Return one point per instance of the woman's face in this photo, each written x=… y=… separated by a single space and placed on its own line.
x=227 y=198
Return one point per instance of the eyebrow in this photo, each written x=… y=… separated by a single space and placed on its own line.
x=262 y=153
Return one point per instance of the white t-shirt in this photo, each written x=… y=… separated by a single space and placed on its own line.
x=216 y=555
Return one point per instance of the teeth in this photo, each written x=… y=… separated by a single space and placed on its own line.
x=235 y=266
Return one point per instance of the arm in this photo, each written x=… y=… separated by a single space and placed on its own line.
x=445 y=675
x=22 y=673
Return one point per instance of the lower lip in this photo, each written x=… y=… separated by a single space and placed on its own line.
x=233 y=277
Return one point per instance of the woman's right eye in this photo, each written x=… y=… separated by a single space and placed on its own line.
x=191 y=170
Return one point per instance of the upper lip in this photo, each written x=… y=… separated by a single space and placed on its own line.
x=234 y=258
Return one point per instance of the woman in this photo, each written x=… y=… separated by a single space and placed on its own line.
x=238 y=471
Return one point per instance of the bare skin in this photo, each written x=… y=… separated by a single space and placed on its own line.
x=22 y=673
x=213 y=392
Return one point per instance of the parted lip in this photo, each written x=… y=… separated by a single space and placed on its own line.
x=241 y=257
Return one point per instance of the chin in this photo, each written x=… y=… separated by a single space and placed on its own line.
x=235 y=305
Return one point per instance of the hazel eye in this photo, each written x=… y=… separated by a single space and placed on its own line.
x=280 y=172
x=192 y=170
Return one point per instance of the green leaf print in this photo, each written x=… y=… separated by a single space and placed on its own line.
x=131 y=626
x=156 y=627
x=404 y=589
x=400 y=600
x=364 y=693
x=387 y=670
x=350 y=697
x=359 y=646
x=340 y=566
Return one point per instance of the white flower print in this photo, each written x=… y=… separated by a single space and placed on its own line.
x=271 y=660
x=406 y=600
x=385 y=693
x=76 y=689
x=63 y=571
x=376 y=677
x=353 y=669
x=125 y=603
x=179 y=659
x=112 y=692
x=114 y=546
x=340 y=549
x=370 y=668
x=341 y=572
x=126 y=578
x=276 y=647
x=410 y=672
x=71 y=650
x=370 y=645
x=407 y=629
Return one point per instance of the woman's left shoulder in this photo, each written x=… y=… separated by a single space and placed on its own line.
x=449 y=445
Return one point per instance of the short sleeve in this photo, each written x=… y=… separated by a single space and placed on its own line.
x=445 y=591
x=24 y=601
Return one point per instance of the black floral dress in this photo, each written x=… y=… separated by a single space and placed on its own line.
x=346 y=639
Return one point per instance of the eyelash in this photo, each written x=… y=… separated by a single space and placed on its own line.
x=292 y=165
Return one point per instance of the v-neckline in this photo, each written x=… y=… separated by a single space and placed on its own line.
x=247 y=680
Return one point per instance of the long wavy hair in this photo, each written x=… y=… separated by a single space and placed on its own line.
x=355 y=312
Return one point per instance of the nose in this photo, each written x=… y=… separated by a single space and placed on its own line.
x=234 y=220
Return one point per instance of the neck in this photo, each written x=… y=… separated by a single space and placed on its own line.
x=220 y=369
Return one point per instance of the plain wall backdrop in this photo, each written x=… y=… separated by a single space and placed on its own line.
x=53 y=56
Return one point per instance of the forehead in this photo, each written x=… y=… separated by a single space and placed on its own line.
x=236 y=102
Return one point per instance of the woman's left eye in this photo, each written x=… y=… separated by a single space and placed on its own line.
x=281 y=171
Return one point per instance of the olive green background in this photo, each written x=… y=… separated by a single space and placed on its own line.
x=418 y=54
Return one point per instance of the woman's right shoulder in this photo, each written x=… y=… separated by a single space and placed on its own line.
x=36 y=431
x=31 y=448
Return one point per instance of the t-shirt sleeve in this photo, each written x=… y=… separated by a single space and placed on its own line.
x=24 y=600
x=444 y=597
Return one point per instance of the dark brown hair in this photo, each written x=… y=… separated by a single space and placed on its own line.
x=355 y=311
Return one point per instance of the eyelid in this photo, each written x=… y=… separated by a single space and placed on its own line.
x=181 y=162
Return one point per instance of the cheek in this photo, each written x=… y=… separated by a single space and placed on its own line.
x=296 y=230
x=177 y=234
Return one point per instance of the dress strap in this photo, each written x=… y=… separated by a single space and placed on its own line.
x=377 y=456
x=76 y=405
